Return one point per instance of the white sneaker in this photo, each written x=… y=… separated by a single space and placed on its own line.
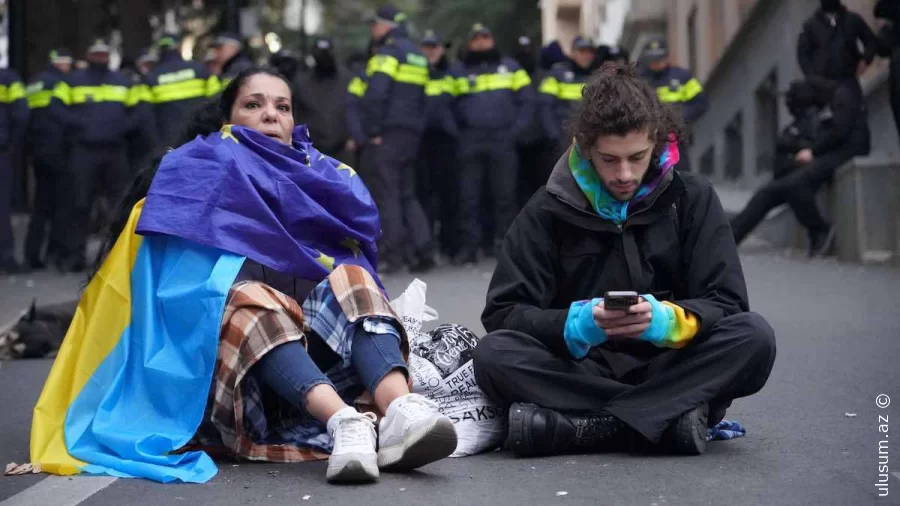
x=353 y=458
x=413 y=433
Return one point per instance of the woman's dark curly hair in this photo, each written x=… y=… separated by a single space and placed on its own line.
x=617 y=102
x=205 y=120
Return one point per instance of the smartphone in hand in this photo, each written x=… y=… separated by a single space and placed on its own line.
x=620 y=301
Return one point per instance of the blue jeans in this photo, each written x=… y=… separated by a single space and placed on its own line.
x=292 y=371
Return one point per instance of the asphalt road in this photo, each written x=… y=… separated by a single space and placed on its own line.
x=812 y=432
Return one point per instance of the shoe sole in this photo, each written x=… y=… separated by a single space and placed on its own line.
x=429 y=444
x=352 y=468
x=691 y=432
x=517 y=440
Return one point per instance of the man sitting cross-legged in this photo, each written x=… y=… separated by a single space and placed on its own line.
x=614 y=216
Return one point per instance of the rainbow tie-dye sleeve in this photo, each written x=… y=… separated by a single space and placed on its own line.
x=671 y=326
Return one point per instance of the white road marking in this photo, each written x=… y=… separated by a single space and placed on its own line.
x=60 y=491
x=896 y=475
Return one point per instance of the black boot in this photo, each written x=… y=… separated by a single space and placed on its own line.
x=687 y=434
x=536 y=431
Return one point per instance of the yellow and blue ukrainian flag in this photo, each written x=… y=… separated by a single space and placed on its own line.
x=130 y=383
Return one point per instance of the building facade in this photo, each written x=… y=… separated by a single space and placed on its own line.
x=744 y=51
x=646 y=20
x=562 y=20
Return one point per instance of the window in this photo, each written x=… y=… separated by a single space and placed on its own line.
x=734 y=148
x=708 y=162
x=766 y=123
x=692 y=39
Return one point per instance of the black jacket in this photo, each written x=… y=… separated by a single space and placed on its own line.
x=493 y=95
x=678 y=86
x=888 y=10
x=320 y=102
x=831 y=50
x=676 y=244
x=844 y=123
x=177 y=88
x=99 y=104
x=439 y=98
x=560 y=95
x=395 y=94
x=45 y=130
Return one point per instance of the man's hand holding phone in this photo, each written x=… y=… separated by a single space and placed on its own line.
x=623 y=315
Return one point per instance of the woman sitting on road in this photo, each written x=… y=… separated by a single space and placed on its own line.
x=217 y=246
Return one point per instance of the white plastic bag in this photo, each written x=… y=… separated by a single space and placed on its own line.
x=440 y=363
x=441 y=369
x=411 y=308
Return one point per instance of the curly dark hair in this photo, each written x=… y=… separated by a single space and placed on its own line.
x=617 y=102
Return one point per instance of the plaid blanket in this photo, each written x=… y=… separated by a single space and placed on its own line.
x=246 y=418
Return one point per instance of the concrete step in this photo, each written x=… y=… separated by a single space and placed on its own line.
x=777 y=231
x=861 y=204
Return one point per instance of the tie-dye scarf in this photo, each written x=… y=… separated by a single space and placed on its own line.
x=603 y=203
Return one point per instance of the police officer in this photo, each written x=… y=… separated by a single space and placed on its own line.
x=836 y=44
x=319 y=100
x=560 y=92
x=145 y=61
x=533 y=144
x=493 y=107
x=437 y=175
x=230 y=56
x=612 y=54
x=356 y=89
x=392 y=108
x=13 y=122
x=177 y=87
x=675 y=85
x=142 y=139
x=98 y=121
x=45 y=142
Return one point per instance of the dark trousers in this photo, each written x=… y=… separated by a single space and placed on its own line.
x=93 y=171
x=486 y=158
x=732 y=360
x=7 y=251
x=536 y=161
x=291 y=370
x=48 y=165
x=798 y=189
x=437 y=187
x=392 y=182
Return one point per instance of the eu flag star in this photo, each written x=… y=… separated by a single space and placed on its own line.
x=353 y=245
x=348 y=168
x=326 y=261
x=226 y=133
